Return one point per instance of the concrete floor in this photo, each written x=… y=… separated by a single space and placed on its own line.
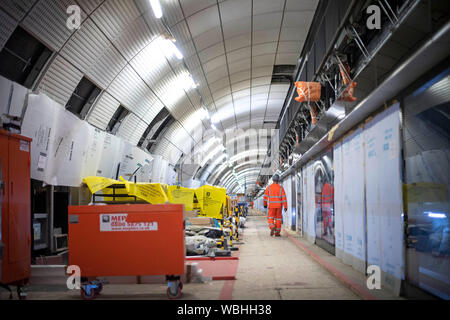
x=269 y=268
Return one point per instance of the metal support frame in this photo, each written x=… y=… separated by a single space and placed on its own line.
x=394 y=18
x=360 y=43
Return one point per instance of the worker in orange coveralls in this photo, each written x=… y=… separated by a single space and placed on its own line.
x=276 y=198
x=327 y=201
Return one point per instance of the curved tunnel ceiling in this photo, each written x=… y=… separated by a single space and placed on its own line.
x=229 y=49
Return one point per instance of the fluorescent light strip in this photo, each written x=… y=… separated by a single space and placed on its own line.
x=156 y=7
x=436 y=215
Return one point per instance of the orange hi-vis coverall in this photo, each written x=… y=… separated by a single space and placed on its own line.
x=327 y=201
x=276 y=197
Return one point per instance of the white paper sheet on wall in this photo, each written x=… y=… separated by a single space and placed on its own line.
x=70 y=148
x=287 y=216
x=128 y=161
x=354 y=208
x=92 y=157
x=171 y=175
x=38 y=124
x=347 y=212
x=156 y=168
x=384 y=196
x=310 y=204
x=144 y=175
x=110 y=156
x=304 y=201
x=338 y=200
x=17 y=100
x=5 y=94
x=65 y=149
x=143 y=161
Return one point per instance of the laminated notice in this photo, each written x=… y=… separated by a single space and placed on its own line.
x=180 y=195
x=153 y=193
x=96 y=184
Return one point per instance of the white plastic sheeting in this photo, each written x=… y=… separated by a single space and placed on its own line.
x=309 y=205
x=287 y=216
x=12 y=98
x=66 y=149
x=368 y=225
x=384 y=196
x=338 y=199
x=349 y=201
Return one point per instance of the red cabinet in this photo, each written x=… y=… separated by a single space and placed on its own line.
x=15 y=208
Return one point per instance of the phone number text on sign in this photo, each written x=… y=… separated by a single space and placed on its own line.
x=118 y=222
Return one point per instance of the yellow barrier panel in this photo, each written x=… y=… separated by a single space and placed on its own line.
x=211 y=199
x=96 y=184
x=151 y=192
x=181 y=195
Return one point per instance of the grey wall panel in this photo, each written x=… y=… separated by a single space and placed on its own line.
x=103 y=111
x=17 y=8
x=47 y=20
x=60 y=80
x=7 y=26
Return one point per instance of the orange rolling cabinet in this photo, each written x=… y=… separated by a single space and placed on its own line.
x=15 y=213
x=127 y=240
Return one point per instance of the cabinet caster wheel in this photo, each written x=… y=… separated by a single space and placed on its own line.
x=175 y=295
x=89 y=294
x=99 y=288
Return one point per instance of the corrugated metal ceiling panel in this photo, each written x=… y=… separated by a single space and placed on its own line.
x=7 y=26
x=134 y=38
x=132 y=129
x=60 y=80
x=113 y=16
x=103 y=111
x=17 y=8
x=86 y=46
x=128 y=88
x=89 y=5
x=151 y=64
x=48 y=19
x=107 y=67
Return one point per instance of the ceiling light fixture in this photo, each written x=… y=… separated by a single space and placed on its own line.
x=187 y=82
x=156 y=7
x=175 y=50
x=203 y=114
x=167 y=43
